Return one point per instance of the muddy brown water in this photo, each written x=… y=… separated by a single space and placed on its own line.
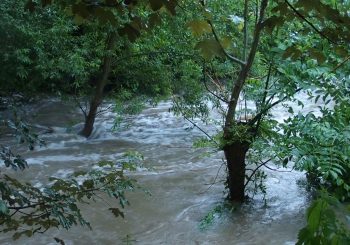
x=178 y=177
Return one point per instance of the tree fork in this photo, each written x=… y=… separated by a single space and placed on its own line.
x=237 y=88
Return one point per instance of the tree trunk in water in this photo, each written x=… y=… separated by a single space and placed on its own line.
x=90 y=118
x=236 y=151
x=235 y=154
x=101 y=83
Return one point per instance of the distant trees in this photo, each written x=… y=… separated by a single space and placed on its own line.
x=74 y=47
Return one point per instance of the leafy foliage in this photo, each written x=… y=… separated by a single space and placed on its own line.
x=12 y=160
x=214 y=214
x=323 y=225
x=44 y=51
x=26 y=210
x=321 y=147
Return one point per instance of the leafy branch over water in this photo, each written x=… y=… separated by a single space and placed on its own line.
x=26 y=210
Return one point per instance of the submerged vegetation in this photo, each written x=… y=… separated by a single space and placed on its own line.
x=225 y=63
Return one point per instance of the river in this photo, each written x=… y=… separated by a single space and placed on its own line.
x=177 y=175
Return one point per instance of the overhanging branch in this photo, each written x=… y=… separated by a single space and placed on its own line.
x=308 y=22
x=194 y=124
x=230 y=57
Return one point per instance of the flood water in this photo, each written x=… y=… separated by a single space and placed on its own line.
x=178 y=177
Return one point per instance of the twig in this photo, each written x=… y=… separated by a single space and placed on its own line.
x=264 y=97
x=241 y=79
x=282 y=171
x=308 y=22
x=14 y=213
x=340 y=64
x=214 y=181
x=271 y=98
x=217 y=84
x=254 y=171
x=263 y=111
x=104 y=200
x=245 y=31
x=336 y=67
x=194 y=124
x=267 y=84
x=104 y=110
x=230 y=57
x=207 y=88
x=81 y=108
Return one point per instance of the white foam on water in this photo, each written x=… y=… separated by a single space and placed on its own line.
x=83 y=158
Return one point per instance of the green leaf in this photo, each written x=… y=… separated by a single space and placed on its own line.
x=226 y=42
x=314 y=215
x=154 y=19
x=129 y=31
x=80 y=9
x=105 y=16
x=292 y=52
x=44 y=3
x=319 y=56
x=303 y=236
x=273 y=22
x=199 y=27
x=78 y=20
x=3 y=208
x=209 y=49
x=341 y=51
x=105 y=164
x=88 y=184
x=156 y=4
x=117 y=212
x=171 y=6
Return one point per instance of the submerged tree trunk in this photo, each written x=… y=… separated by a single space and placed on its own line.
x=235 y=154
x=100 y=85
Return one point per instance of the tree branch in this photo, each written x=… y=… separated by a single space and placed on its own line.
x=207 y=88
x=267 y=84
x=336 y=67
x=230 y=57
x=216 y=177
x=281 y=171
x=194 y=124
x=101 y=111
x=245 y=30
x=308 y=22
x=263 y=111
x=254 y=171
x=80 y=106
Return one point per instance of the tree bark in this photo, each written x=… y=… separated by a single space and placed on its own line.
x=235 y=154
x=101 y=83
